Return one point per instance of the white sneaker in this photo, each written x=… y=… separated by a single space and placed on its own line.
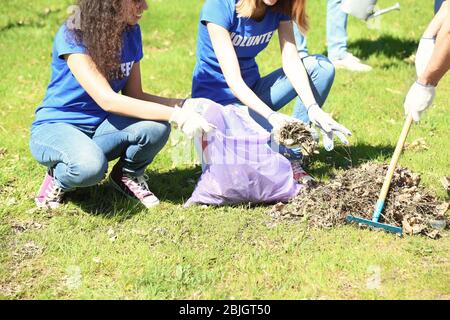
x=352 y=63
x=135 y=188
x=50 y=195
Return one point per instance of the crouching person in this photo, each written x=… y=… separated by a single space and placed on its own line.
x=231 y=35
x=84 y=121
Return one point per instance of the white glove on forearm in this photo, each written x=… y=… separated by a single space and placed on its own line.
x=419 y=98
x=328 y=127
x=189 y=120
x=423 y=55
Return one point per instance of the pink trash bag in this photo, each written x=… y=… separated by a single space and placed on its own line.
x=238 y=164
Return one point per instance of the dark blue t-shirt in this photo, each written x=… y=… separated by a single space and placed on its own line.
x=66 y=101
x=249 y=38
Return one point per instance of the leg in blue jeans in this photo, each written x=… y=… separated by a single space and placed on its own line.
x=301 y=42
x=135 y=141
x=277 y=91
x=81 y=160
x=76 y=159
x=336 y=30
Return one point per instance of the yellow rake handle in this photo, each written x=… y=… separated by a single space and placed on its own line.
x=395 y=157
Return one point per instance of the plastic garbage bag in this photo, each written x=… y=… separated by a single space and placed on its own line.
x=238 y=165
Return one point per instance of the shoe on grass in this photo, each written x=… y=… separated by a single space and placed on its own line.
x=50 y=195
x=300 y=175
x=135 y=188
x=352 y=63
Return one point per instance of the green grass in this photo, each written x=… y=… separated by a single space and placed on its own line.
x=176 y=253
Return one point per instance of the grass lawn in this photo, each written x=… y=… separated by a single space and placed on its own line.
x=100 y=245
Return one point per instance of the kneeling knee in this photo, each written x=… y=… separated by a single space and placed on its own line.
x=152 y=132
x=326 y=68
x=320 y=67
x=88 y=172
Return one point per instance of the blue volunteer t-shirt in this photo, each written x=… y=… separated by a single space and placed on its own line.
x=66 y=101
x=249 y=38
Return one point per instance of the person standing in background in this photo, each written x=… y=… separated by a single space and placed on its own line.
x=336 y=40
x=231 y=34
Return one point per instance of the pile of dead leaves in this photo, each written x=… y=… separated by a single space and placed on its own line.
x=295 y=134
x=355 y=192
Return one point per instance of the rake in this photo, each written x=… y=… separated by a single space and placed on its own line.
x=387 y=183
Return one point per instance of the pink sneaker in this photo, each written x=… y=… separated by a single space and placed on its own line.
x=300 y=175
x=50 y=195
x=133 y=187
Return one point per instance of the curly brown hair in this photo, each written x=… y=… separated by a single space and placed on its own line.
x=101 y=27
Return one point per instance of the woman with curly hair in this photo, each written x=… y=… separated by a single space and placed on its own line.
x=84 y=121
x=231 y=34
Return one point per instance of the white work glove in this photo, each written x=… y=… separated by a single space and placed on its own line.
x=198 y=105
x=419 y=98
x=328 y=127
x=278 y=120
x=189 y=117
x=423 y=55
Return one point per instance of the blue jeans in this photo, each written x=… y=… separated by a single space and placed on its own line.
x=79 y=155
x=277 y=91
x=336 y=32
x=437 y=5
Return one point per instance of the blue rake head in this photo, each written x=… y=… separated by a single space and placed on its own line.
x=374 y=224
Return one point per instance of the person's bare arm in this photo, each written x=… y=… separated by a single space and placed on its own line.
x=133 y=89
x=293 y=66
x=440 y=60
x=296 y=72
x=224 y=50
x=437 y=22
x=96 y=85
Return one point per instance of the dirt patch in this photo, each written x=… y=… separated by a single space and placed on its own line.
x=446 y=183
x=356 y=191
x=28 y=251
x=23 y=226
x=295 y=134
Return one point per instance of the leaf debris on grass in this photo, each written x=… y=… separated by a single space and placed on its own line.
x=28 y=251
x=356 y=191
x=3 y=152
x=112 y=235
x=446 y=183
x=24 y=226
x=417 y=145
x=97 y=260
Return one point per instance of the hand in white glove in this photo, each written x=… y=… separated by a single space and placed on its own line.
x=198 y=105
x=423 y=55
x=188 y=118
x=328 y=127
x=419 y=98
x=278 y=120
